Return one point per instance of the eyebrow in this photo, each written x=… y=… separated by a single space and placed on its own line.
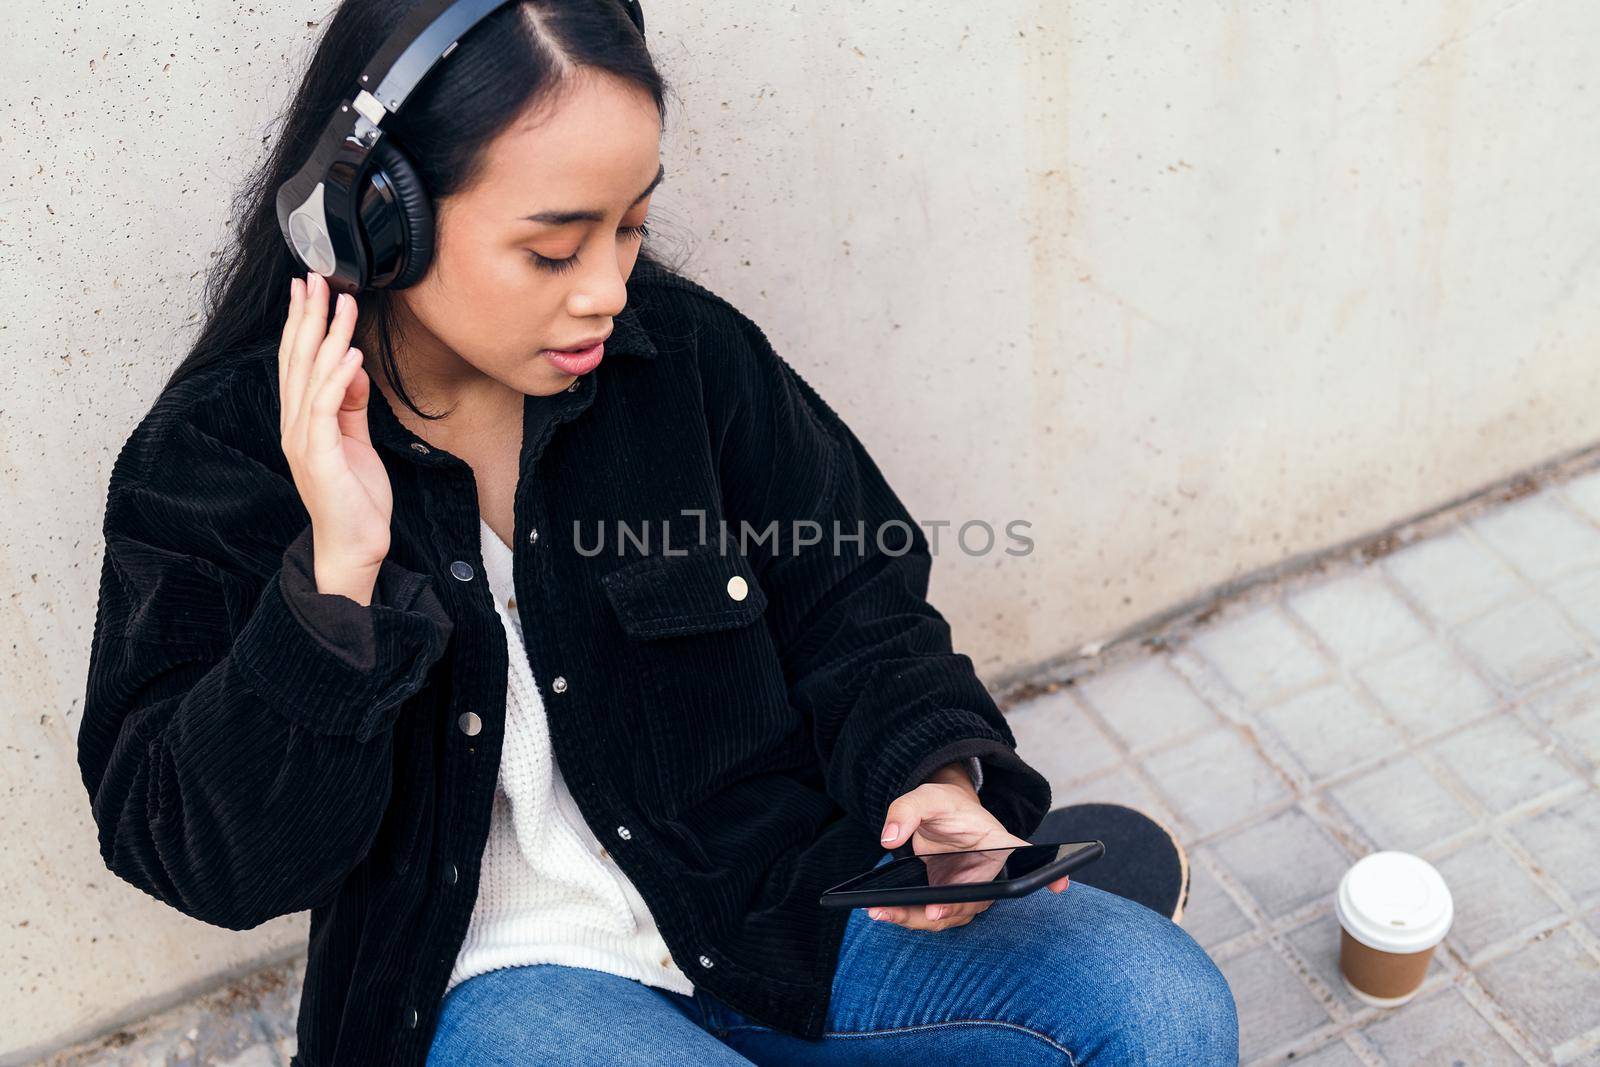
x=563 y=218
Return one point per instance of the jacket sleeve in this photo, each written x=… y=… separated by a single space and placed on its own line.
x=869 y=660
x=236 y=737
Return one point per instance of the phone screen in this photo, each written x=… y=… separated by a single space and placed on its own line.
x=943 y=868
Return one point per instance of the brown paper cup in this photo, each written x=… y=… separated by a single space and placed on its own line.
x=1393 y=910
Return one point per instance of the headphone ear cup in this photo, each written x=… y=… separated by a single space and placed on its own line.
x=401 y=221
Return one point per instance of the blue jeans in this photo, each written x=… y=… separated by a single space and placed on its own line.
x=1079 y=977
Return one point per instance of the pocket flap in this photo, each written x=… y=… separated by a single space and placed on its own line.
x=703 y=590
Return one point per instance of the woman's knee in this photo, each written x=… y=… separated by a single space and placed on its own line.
x=1191 y=1016
x=1142 y=989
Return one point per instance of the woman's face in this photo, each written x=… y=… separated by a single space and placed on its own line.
x=503 y=287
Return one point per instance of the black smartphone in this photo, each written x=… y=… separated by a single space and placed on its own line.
x=956 y=877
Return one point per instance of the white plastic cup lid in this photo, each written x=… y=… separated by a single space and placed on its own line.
x=1394 y=902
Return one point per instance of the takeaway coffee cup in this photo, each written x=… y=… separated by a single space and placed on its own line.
x=1393 y=909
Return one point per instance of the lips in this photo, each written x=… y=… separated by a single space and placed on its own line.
x=575 y=363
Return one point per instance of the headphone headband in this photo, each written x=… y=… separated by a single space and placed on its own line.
x=323 y=210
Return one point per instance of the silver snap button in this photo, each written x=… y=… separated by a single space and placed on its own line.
x=411 y=1018
x=738 y=588
x=451 y=875
x=470 y=723
x=559 y=684
x=705 y=961
x=462 y=570
x=624 y=833
x=533 y=536
x=419 y=447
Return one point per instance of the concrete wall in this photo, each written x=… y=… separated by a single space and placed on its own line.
x=1190 y=288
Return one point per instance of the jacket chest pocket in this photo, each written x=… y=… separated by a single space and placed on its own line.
x=714 y=701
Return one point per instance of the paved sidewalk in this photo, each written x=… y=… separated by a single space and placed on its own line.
x=1443 y=698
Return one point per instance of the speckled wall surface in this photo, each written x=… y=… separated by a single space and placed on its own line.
x=1190 y=289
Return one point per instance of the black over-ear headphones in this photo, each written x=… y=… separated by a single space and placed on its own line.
x=357 y=213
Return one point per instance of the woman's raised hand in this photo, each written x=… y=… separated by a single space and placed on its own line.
x=323 y=420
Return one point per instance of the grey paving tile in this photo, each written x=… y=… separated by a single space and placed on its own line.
x=1428 y=689
x=1440 y=1028
x=1146 y=703
x=1523 y=642
x=1059 y=740
x=1494 y=897
x=1286 y=862
x=1552 y=987
x=255 y=1056
x=1541 y=536
x=1583 y=493
x=1275 y=1007
x=1579 y=596
x=1502 y=764
x=1572 y=710
x=1580 y=737
x=197 y=1033
x=1356 y=617
x=1337 y=1054
x=1260 y=654
x=1401 y=805
x=1211 y=916
x=1119 y=786
x=1216 y=779
x=1330 y=729
x=1565 y=842
x=1452 y=576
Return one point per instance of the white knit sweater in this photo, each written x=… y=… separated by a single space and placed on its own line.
x=549 y=892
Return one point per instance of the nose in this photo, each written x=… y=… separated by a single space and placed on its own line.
x=601 y=291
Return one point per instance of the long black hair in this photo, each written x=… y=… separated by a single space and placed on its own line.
x=505 y=64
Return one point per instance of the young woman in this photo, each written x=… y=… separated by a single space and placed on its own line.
x=369 y=642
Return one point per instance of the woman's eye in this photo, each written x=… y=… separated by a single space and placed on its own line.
x=561 y=266
x=554 y=266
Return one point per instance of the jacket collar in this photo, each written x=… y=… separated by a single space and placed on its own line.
x=628 y=336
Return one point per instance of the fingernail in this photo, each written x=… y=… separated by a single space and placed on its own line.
x=891 y=831
x=338 y=305
x=936 y=911
x=872 y=913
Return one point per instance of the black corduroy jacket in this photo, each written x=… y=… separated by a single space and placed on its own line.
x=734 y=705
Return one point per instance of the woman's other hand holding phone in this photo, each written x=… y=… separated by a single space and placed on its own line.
x=944 y=814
